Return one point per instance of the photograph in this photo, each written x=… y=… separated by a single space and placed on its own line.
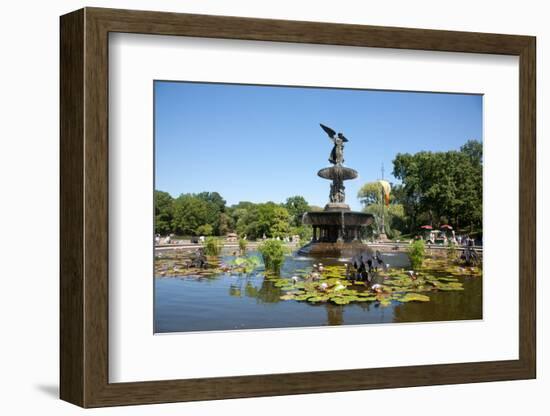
x=290 y=206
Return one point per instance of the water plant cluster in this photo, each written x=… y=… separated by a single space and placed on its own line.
x=417 y=253
x=330 y=283
x=245 y=265
x=395 y=285
x=181 y=263
x=273 y=254
x=212 y=246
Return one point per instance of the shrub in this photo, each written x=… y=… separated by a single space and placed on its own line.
x=242 y=245
x=417 y=252
x=393 y=234
x=273 y=253
x=212 y=246
x=451 y=251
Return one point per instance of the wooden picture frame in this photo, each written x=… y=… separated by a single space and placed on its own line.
x=84 y=207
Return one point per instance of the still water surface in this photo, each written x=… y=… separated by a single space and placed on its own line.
x=249 y=302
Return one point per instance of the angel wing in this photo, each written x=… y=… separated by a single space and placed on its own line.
x=331 y=133
x=342 y=137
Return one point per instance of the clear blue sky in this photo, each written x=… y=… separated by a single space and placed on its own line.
x=262 y=143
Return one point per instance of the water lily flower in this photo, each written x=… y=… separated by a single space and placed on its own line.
x=294 y=279
x=377 y=288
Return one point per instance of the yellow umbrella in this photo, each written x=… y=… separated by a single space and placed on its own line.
x=386 y=188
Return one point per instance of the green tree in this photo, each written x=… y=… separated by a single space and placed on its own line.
x=215 y=206
x=255 y=220
x=213 y=198
x=246 y=220
x=190 y=213
x=226 y=224
x=296 y=206
x=438 y=186
x=164 y=212
x=394 y=218
x=205 y=229
x=276 y=218
x=371 y=193
x=474 y=150
x=371 y=196
x=304 y=231
x=315 y=208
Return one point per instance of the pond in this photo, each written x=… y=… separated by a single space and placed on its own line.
x=228 y=301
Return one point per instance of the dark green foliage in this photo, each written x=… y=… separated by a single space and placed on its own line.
x=256 y=220
x=206 y=214
x=190 y=213
x=164 y=212
x=296 y=207
x=441 y=186
x=205 y=229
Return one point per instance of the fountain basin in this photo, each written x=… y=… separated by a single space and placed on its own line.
x=335 y=217
x=338 y=172
x=343 y=249
x=336 y=232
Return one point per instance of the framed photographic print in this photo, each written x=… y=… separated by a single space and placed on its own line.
x=334 y=207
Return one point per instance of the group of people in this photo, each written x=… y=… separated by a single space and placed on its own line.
x=461 y=240
x=286 y=239
x=465 y=240
x=159 y=240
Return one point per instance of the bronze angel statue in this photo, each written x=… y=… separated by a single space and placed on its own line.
x=337 y=154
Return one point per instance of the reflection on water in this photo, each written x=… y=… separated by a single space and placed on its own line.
x=233 y=301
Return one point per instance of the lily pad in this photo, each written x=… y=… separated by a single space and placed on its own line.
x=281 y=282
x=315 y=299
x=414 y=297
x=447 y=279
x=340 y=300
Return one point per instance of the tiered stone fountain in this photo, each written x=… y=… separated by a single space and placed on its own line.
x=336 y=229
